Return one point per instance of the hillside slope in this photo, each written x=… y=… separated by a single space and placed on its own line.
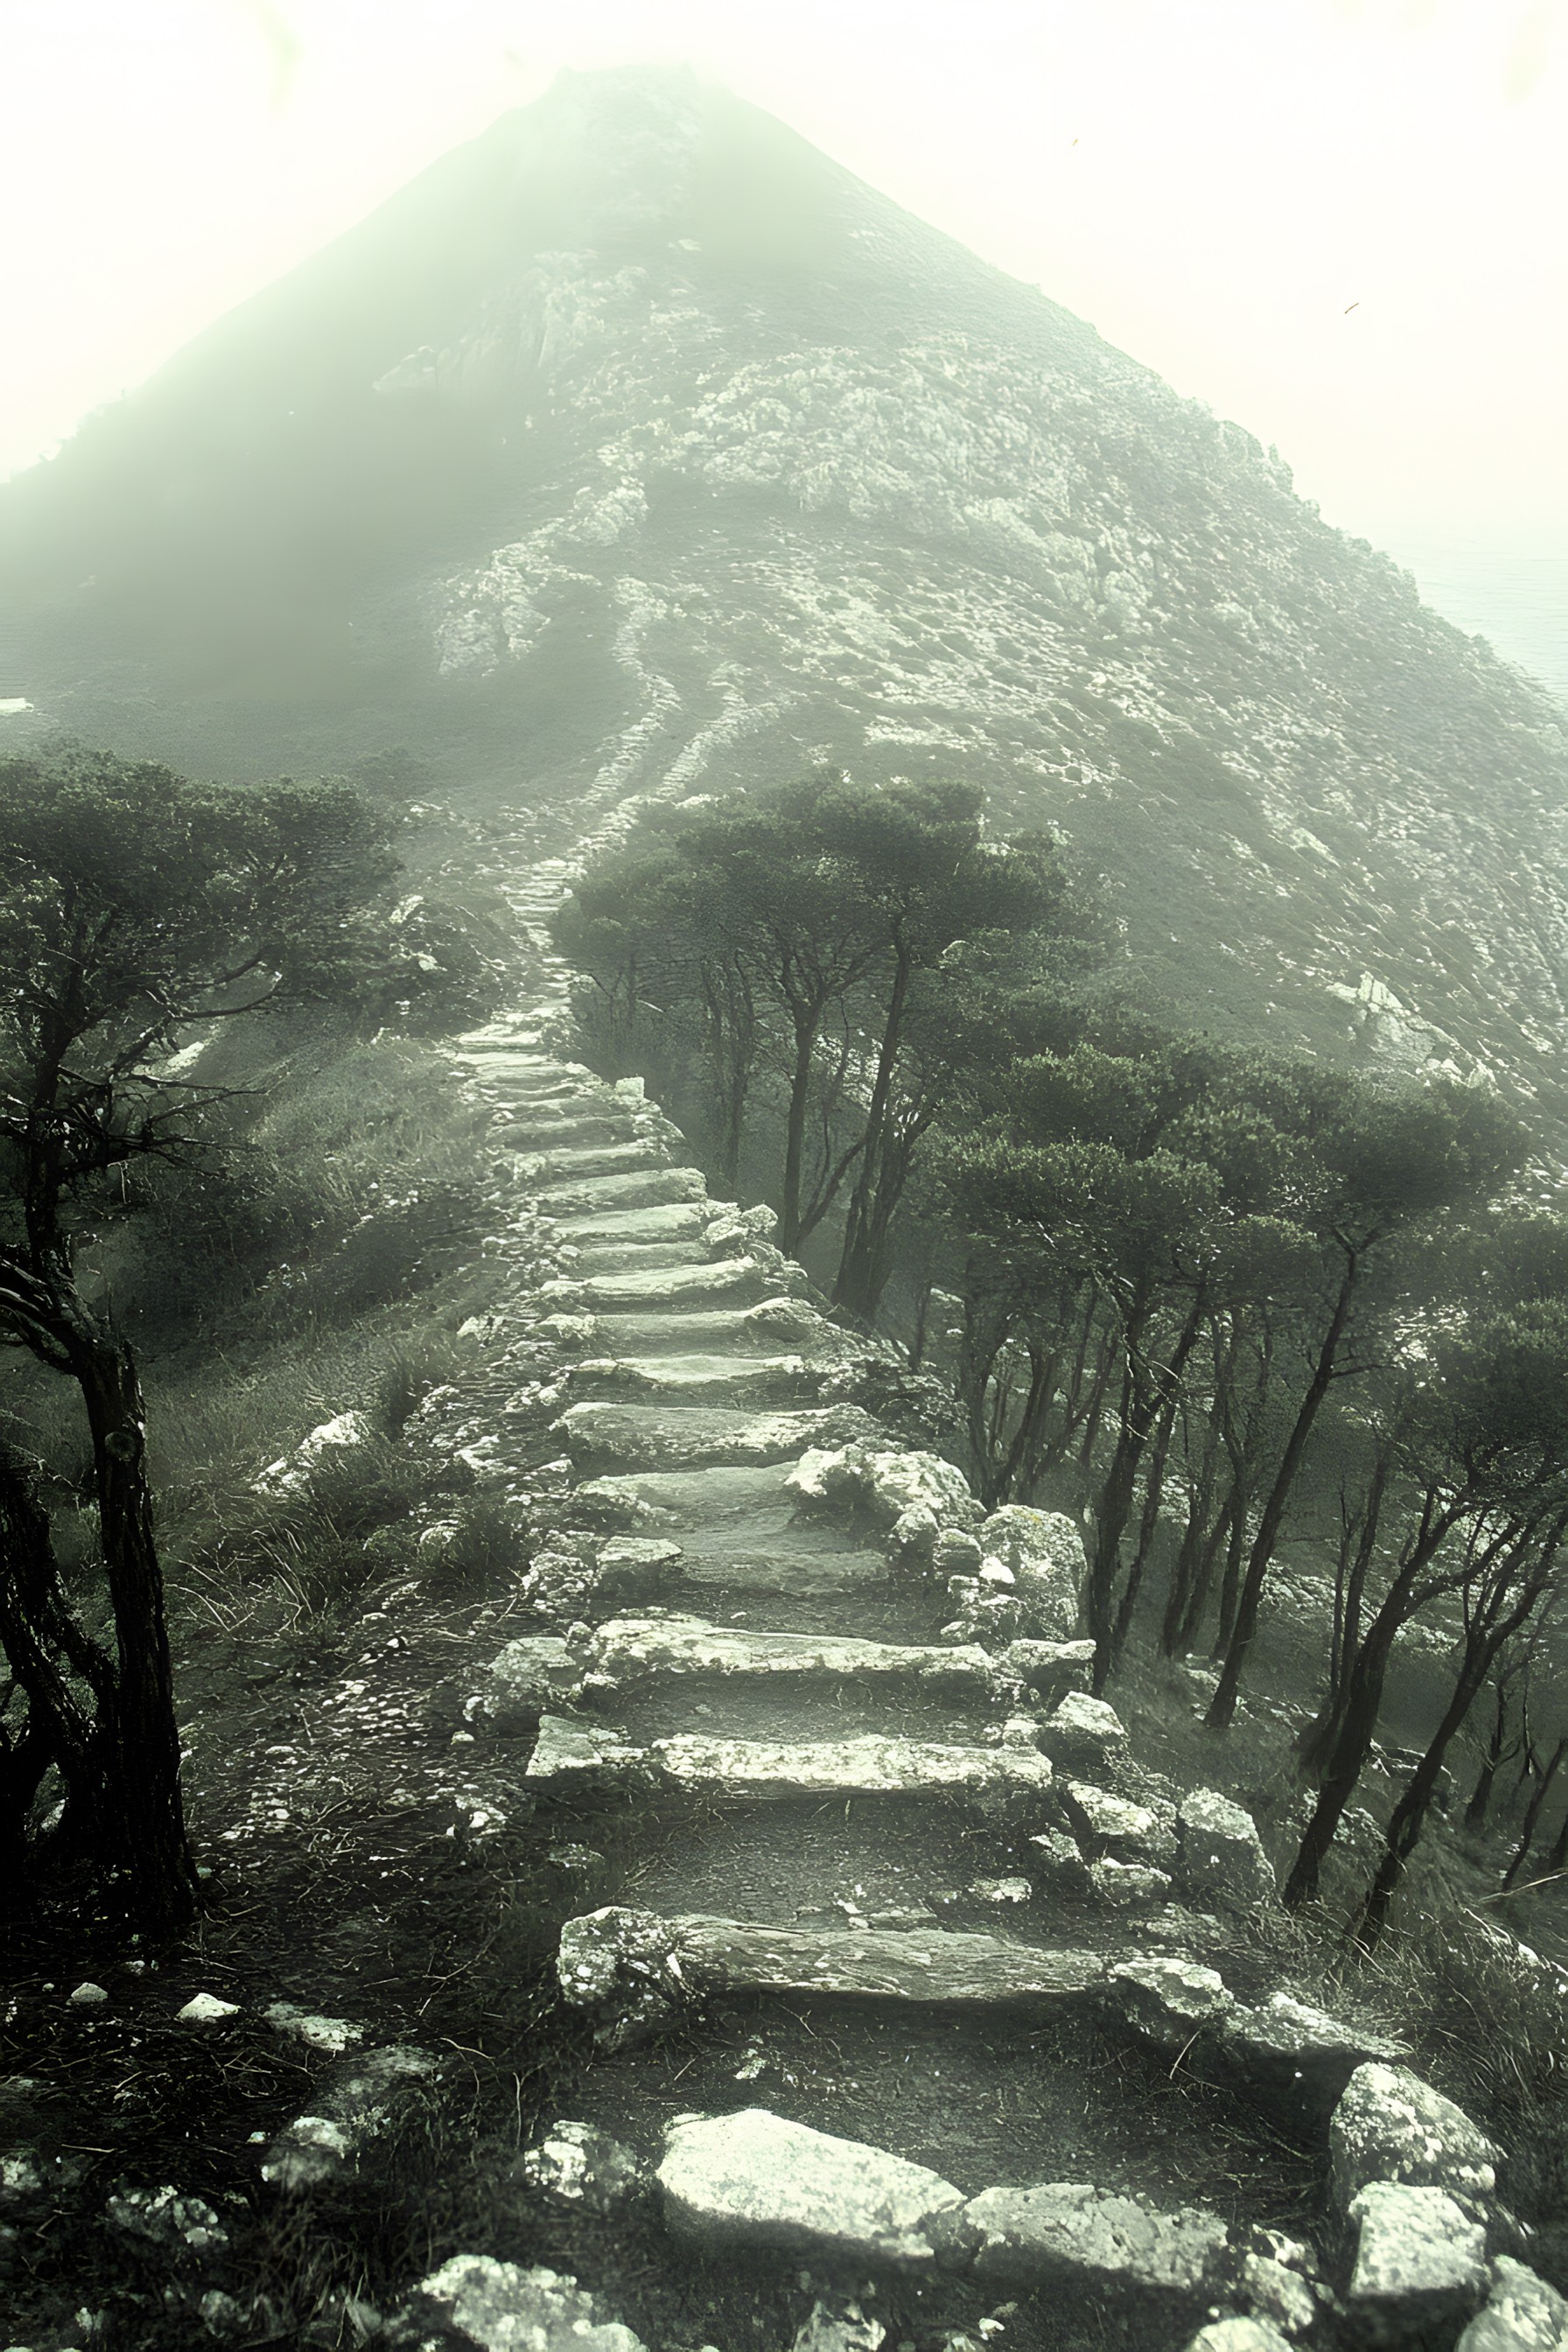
x=637 y=445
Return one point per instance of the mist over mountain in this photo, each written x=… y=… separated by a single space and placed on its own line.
x=637 y=446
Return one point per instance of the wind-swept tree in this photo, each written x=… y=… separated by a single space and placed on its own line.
x=133 y=906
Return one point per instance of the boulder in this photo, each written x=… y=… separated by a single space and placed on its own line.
x=1043 y=1552
x=582 y=2166
x=754 y=2180
x=1170 y=2001
x=1084 y=1735
x=1390 y=2126
x=1222 y=1856
x=1104 y=1822
x=1522 y=2313
x=502 y=2308
x=1420 y=2267
x=622 y=1966
x=886 y=1484
x=1301 y=2054
x=1125 y=1883
x=1069 y=2232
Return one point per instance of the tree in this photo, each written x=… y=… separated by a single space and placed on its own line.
x=1390 y=1158
x=1478 y=1433
x=830 y=939
x=133 y=906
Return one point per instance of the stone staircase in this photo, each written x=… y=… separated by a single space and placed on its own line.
x=959 y=1991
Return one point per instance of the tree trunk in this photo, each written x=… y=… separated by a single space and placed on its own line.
x=1532 y=1813
x=854 y=1290
x=1223 y=1707
x=1346 y=1762
x=1476 y=1811
x=146 y=1782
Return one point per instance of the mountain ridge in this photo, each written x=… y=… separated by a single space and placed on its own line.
x=638 y=447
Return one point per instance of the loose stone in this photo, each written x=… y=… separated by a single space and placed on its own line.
x=623 y=1966
x=754 y=2180
x=1239 y=2335
x=358 y=2108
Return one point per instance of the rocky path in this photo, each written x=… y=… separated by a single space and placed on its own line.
x=904 y=1976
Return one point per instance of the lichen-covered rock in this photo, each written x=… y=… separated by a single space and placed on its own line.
x=754 y=2180
x=179 y=2225
x=1169 y=2000
x=841 y=2327
x=1222 y=1856
x=1522 y=2313
x=357 y=2111
x=1420 y=2265
x=1043 y=1551
x=1067 y=2231
x=1059 y=1861
x=583 y=2166
x=1390 y=2126
x=622 y=1966
x=1084 y=1735
x=502 y=2308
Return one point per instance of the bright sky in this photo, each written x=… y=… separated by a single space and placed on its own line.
x=1340 y=221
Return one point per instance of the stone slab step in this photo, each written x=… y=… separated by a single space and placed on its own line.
x=555 y=1128
x=779 y=1567
x=662 y=1221
x=701 y=1499
x=734 y=1278
x=1001 y=1782
x=622 y=1257
x=569 y=1161
x=913 y=1964
x=697 y=1380
x=620 y=1438
x=637 y=1190
x=756 y=2180
x=772 y=1325
x=631 y=1650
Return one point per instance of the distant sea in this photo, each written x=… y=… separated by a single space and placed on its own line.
x=1517 y=601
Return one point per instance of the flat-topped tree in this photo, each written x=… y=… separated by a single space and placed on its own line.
x=134 y=905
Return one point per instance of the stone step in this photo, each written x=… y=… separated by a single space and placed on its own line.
x=620 y=1438
x=635 y=1155
x=549 y=1129
x=632 y=1649
x=663 y=1220
x=599 y=1257
x=731 y=1278
x=912 y=1964
x=1008 y=1783
x=654 y=1185
x=697 y=1379
x=706 y=1500
x=770 y=1327
x=748 y=1563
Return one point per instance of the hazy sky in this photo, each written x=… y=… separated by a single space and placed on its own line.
x=1214 y=182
